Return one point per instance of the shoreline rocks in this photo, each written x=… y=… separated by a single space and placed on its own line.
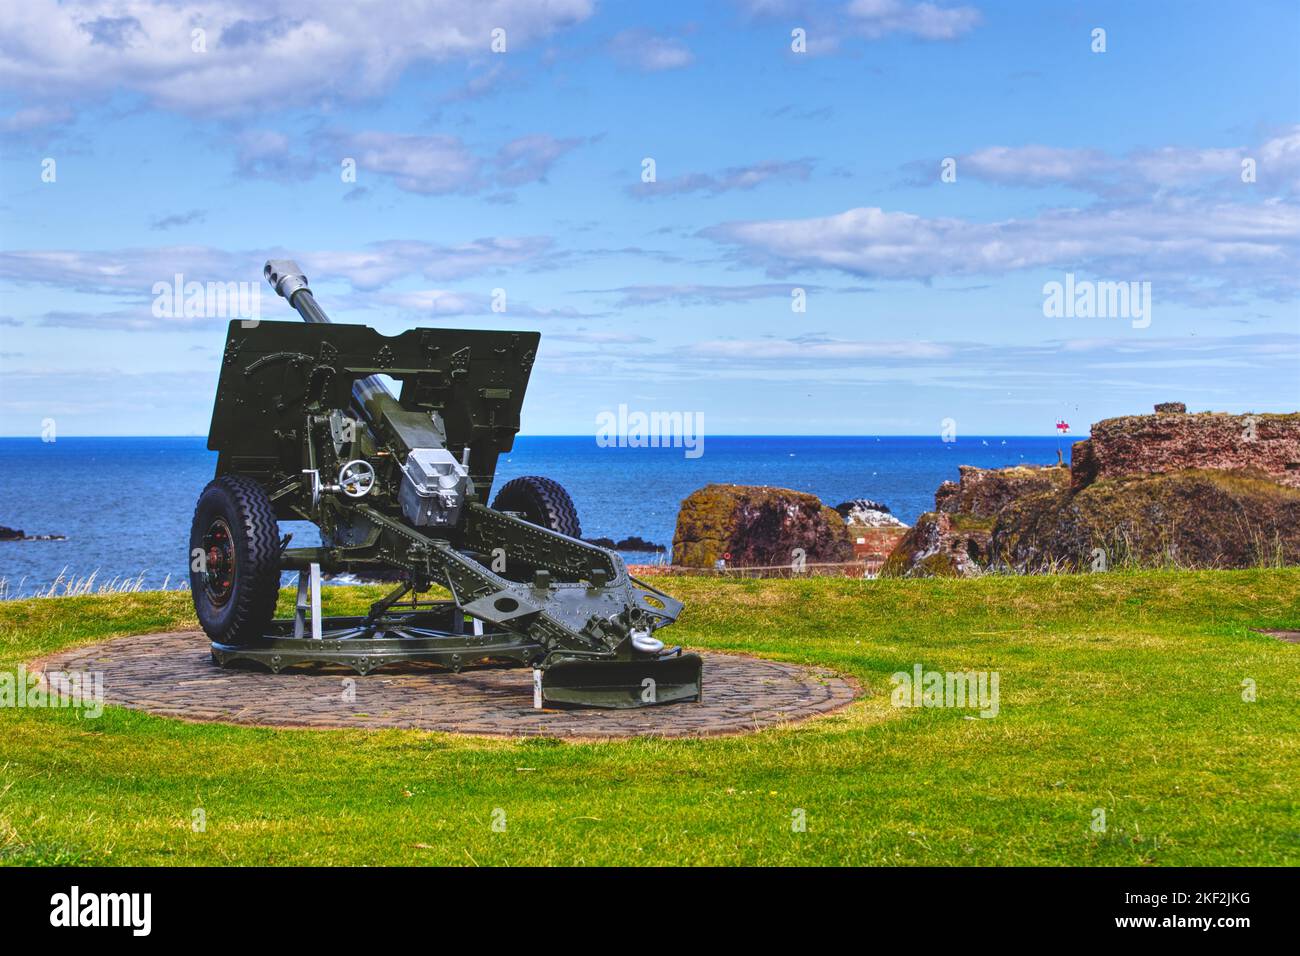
x=635 y=543
x=867 y=513
x=16 y=534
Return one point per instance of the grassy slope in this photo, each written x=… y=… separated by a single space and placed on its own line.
x=1120 y=691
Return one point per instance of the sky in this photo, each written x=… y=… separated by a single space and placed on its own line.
x=784 y=217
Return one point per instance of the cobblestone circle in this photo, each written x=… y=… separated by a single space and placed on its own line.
x=173 y=675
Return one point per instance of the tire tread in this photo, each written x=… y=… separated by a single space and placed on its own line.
x=534 y=492
x=258 y=583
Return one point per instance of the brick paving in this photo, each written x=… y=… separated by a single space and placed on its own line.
x=173 y=675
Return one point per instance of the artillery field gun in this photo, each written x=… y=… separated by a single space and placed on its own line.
x=306 y=430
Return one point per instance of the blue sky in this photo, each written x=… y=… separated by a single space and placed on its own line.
x=522 y=171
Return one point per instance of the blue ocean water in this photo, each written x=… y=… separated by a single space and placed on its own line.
x=125 y=503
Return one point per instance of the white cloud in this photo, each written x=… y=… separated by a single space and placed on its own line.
x=929 y=21
x=388 y=261
x=1236 y=245
x=267 y=55
x=425 y=164
x=817 y=349
x=138 y=319
x=829 y=25
x=528 y=159
x=599 y=338
x=1038 y=374
x=446 y=302
x=732 y=178
x=420 y=164
x=269 y=154
x=1139 y=171
x=1035 y=165
x=698 y=294
x=650 y=51
x=179 y=219
x=133 y=272
x=35 y=118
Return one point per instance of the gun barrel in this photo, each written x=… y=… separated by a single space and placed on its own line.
x=288 y=280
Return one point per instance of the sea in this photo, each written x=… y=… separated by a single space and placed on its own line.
x=124 y=504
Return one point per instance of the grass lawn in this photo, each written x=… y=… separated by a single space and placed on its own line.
x=1121 y=691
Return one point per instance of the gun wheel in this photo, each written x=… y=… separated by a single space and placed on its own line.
x=542 y=502
x=219 y=555
x=234 y=560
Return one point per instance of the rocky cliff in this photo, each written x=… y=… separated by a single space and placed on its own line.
x=1191 y=518
x=758 y=526
x=1267 y=446
x=955 y=538
x=941 y=544
x=984 y=492
x=1200 y=490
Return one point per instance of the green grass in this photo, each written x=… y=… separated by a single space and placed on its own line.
x=1120 y=691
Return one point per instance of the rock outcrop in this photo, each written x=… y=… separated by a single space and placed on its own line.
x=1267 y=446
x=758 y=526
x=984 y=492
x=1205 y=490
x=948 y=497
x=955 y=538
x=1193 y=518
x=940 y=544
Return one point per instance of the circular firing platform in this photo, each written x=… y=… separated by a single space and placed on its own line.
x=173 y=675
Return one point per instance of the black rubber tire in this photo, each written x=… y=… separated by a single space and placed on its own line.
x=542 y=502
x=245 y=613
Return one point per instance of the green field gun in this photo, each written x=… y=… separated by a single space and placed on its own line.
x=307 y=430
